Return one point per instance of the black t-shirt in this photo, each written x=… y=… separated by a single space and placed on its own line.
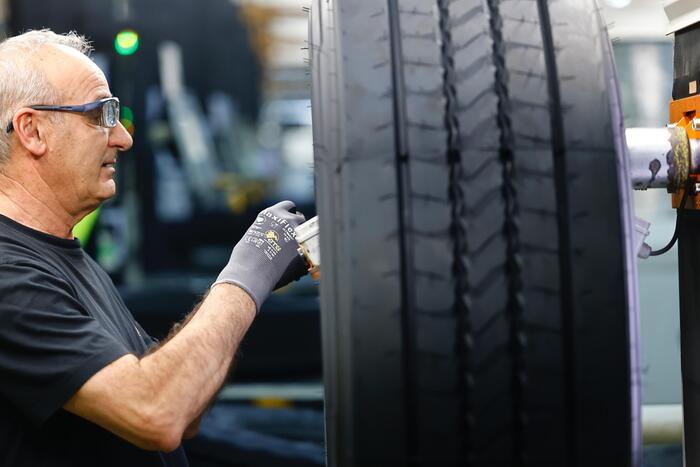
x=61 y=321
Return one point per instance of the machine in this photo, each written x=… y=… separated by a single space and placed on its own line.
x=670 y=158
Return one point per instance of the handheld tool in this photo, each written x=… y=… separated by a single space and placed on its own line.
x=309 y=246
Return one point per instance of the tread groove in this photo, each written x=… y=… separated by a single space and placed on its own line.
x=511 y=230
x=458 y=229
x=407 y=288
x=565 y=268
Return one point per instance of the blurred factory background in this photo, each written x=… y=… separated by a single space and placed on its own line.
x=216 y=96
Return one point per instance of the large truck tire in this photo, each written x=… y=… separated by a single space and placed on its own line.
x=477 y=293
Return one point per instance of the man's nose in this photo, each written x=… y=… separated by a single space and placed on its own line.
x=120 y=138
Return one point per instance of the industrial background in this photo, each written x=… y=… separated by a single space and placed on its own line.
x=216 y=93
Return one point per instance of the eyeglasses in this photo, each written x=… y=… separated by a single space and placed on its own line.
x=104 y=112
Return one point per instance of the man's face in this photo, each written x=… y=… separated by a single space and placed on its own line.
x=80 y=163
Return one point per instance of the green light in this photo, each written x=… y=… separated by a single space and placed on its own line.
x=84 y=228
x=126 y=42
x=127 y=115
x=127 y=119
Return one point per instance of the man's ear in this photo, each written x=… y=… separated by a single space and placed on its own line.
x=29 y=130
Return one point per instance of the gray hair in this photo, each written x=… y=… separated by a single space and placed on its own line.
x=21 y=83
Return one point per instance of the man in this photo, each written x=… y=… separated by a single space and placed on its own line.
x=77 y=385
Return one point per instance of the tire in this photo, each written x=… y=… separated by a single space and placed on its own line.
x=477 y=297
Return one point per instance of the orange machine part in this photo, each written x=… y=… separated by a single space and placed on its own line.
x=681 y=112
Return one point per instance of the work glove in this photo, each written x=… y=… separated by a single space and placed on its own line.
x=297 y=269
x=267 y=254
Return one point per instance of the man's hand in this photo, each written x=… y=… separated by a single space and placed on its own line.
x=266 y=254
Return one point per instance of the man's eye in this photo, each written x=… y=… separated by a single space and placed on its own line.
x=94 y=116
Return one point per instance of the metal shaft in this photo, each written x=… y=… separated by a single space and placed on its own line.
x=661 y=157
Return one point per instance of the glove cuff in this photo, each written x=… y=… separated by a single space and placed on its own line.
x=245 y=289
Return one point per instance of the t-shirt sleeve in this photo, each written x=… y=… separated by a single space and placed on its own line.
x=49 y=345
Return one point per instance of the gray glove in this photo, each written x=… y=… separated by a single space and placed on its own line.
x=266 y=251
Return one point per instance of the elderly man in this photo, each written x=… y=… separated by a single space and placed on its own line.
x=79 y=385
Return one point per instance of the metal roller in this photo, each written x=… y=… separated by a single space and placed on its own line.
x=661 y=157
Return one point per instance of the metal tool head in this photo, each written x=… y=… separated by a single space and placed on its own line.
x=309 y=245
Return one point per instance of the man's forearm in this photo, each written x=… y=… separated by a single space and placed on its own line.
x=188 y=370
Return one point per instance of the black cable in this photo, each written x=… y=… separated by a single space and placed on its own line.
x=681 y=206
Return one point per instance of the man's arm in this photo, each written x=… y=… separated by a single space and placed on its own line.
x=152 y=401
